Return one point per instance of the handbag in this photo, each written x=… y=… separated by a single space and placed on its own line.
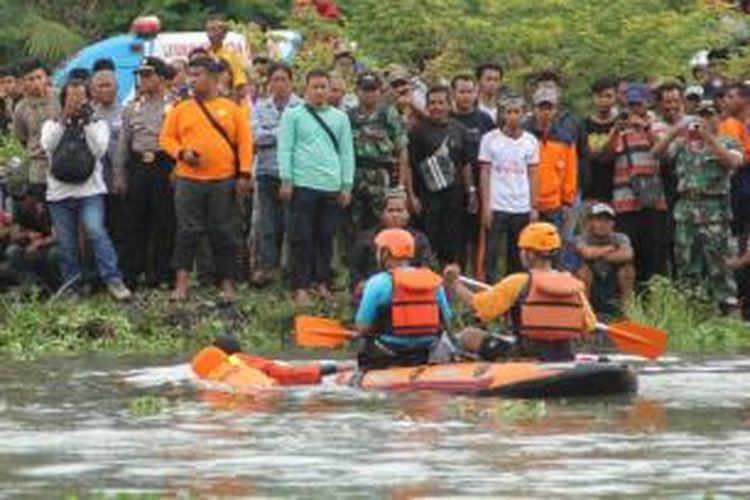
x=438 y=170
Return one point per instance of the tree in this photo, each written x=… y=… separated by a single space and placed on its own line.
x=583 y=39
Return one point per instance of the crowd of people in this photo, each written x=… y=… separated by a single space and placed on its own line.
x=208 y=170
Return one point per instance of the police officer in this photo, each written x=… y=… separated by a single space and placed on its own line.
x=142 y=173
x=380 y=149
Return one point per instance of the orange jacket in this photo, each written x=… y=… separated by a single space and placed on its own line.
x=556 y=178
x=283 y=373
x=732 y=127
x=243 y=371
x=186 y=127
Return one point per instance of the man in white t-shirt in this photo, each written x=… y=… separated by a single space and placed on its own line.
x=507 y=159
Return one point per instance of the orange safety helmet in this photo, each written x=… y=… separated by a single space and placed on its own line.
x=540 y=237
x=399 y=243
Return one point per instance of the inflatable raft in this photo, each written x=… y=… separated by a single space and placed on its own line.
x=514 y=379
x=511 y=379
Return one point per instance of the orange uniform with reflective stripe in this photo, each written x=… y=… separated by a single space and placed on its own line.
x=414 y=307
x=242 y=370
x=552 y=309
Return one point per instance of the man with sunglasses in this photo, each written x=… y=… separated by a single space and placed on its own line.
x=704 y=163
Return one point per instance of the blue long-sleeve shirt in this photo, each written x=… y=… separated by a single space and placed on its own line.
x=266 y=125
x=307 y=156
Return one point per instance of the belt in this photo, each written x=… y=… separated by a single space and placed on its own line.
x=151 y=159
x=700 y=195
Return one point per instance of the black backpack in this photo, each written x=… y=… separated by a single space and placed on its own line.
x=73 y=162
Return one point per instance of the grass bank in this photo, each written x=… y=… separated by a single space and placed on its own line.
x=262 y=319
x=31 y=326
x=694 y=326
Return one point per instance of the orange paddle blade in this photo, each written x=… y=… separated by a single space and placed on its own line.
x=312 y=331
x=206 y=361
x=636 y=338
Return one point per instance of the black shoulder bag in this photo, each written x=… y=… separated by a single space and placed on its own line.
x=223 y=134
x=323 y=124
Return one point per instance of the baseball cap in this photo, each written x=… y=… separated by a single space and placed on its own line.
x=694 y=91
x=397 y=73
x=368 y=81
x=598 y=209
x=545 y=95
x=155 y=65
x=637 y=93
x=707 y=106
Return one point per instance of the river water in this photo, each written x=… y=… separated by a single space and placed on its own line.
x=102 y=426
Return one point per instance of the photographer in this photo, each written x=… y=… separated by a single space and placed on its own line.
x=638 y=196
x=704 y=163
x=76 y=144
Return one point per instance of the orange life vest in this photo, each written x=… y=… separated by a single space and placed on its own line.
x=414 y=306
x=215 y=365
x=552 y=308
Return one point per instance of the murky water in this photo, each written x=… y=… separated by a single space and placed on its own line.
x=105 y=425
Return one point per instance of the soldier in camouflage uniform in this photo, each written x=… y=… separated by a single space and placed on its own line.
x=380 y=150
x=704 y=164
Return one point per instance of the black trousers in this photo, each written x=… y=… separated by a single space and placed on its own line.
x=148 y=225
x=207 y=208
x=444 y=222
x=510 y=225
x=376 y=356
x=648 y=233
x=313 y=220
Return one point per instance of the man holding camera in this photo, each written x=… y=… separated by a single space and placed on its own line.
x=638 y=196
x=704 y=163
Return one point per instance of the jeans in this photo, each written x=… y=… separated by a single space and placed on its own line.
x=510 y=225
x=313 y=220
x=271 y=222
x=207 y=208
x=89 y=211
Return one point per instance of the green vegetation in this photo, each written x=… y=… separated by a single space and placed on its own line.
x=263 y=321
x=30 y=325
x=693 y=325
x=582 y=39
x=147 y=406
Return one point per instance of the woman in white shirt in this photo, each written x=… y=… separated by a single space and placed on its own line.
x=76 y=188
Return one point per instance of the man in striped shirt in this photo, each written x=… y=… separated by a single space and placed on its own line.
x=638 y=195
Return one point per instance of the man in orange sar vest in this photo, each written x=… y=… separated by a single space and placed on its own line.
x=548 y=309
x=403 y=308
x=225 y=362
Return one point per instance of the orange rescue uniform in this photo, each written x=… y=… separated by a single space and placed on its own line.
x=186 y=127
x=551 y=305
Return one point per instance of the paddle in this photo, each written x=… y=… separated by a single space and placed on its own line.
x=628 y=336
x=312 y=331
